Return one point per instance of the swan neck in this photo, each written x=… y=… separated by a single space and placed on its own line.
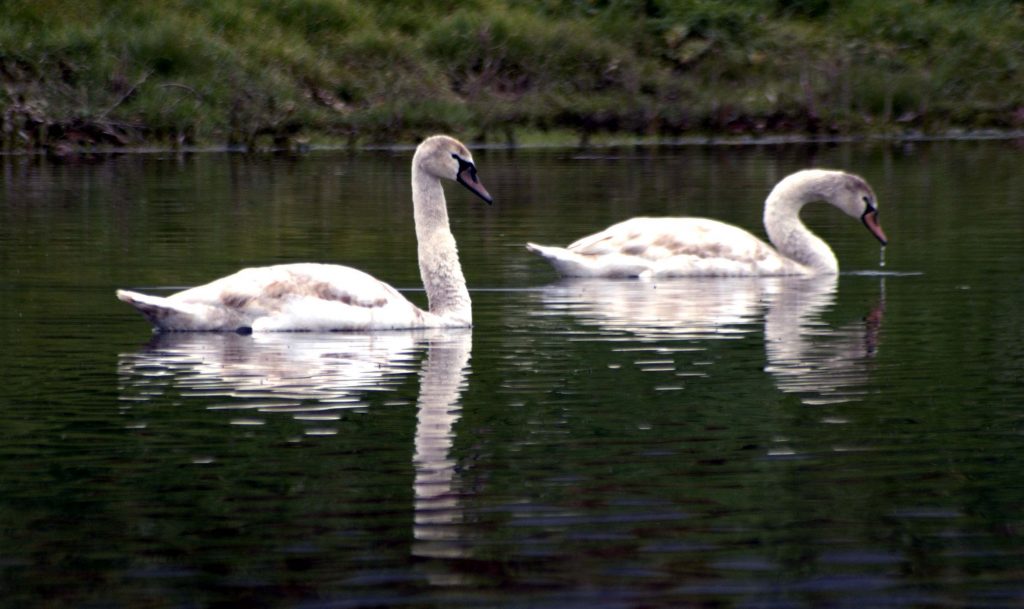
x=790 y=235
x=447 y=295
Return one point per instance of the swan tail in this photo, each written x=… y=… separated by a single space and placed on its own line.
x=565 y=262
x=163 y=313
x=571 y=264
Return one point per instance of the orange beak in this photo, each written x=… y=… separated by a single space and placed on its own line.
x=467 y=177
x=870 y=220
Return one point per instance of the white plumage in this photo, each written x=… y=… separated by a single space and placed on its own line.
x=310 y=296
x=679 y=247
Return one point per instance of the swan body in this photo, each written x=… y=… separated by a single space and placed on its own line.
x=323 y=297
x=681 y=247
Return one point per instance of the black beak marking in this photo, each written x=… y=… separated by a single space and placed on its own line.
x=466 y=168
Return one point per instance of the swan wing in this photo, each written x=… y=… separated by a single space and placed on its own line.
x=291 y=297
x=659 y=238
x=666 y=247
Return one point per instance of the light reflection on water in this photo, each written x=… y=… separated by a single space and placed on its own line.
x=310 y=375
x=269 y=372
x=664 y=444
x=805 y=355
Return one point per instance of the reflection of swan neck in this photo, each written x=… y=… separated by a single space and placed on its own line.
x=440 y=269
x=788 y=233
x=440 y=386
x=437 y=510
x=795 y=306
x=807 y=356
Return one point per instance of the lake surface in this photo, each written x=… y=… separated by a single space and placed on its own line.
x=842 y=442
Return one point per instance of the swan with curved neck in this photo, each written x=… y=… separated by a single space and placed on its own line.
x=310 y=296
x=688 y=247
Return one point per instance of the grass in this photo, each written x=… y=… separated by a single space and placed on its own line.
x=257 y=73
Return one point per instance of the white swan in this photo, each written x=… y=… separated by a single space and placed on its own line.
x=309 y=296
x=669 y=247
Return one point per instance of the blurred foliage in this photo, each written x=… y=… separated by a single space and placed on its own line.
x=278 y=72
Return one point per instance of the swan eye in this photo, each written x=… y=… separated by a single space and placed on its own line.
x=464 y=165
x=867 y=201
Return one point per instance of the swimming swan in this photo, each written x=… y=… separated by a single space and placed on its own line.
x=667 y=247
x=309 y=296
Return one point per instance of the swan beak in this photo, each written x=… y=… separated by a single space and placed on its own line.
x=467 y=177
x=870 y=220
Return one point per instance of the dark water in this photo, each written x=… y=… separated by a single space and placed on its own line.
x=849 y=442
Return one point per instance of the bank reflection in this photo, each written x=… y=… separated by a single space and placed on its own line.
x=820 y=362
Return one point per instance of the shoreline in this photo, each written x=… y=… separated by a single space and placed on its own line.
x=605 y=141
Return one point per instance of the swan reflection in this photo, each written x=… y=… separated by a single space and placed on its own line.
x=269 y=371
x=804 y=354
x=825 y=364
x=306 y=374
x=438 y=509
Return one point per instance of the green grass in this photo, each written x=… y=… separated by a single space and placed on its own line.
x=257 y=73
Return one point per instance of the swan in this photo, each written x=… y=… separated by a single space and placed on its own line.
x=322 y=297
x=679 y=247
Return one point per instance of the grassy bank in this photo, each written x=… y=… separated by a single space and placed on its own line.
x=275 y=72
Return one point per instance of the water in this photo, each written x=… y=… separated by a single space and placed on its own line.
x=850 y=441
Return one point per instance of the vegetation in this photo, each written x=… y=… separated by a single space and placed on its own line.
x=276 y=72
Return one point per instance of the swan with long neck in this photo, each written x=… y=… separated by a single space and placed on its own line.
x=688 y=247
x=310 y=296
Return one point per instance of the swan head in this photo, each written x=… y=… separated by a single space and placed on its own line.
x=857 y=199
x=443 y=156
x=850 y=193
